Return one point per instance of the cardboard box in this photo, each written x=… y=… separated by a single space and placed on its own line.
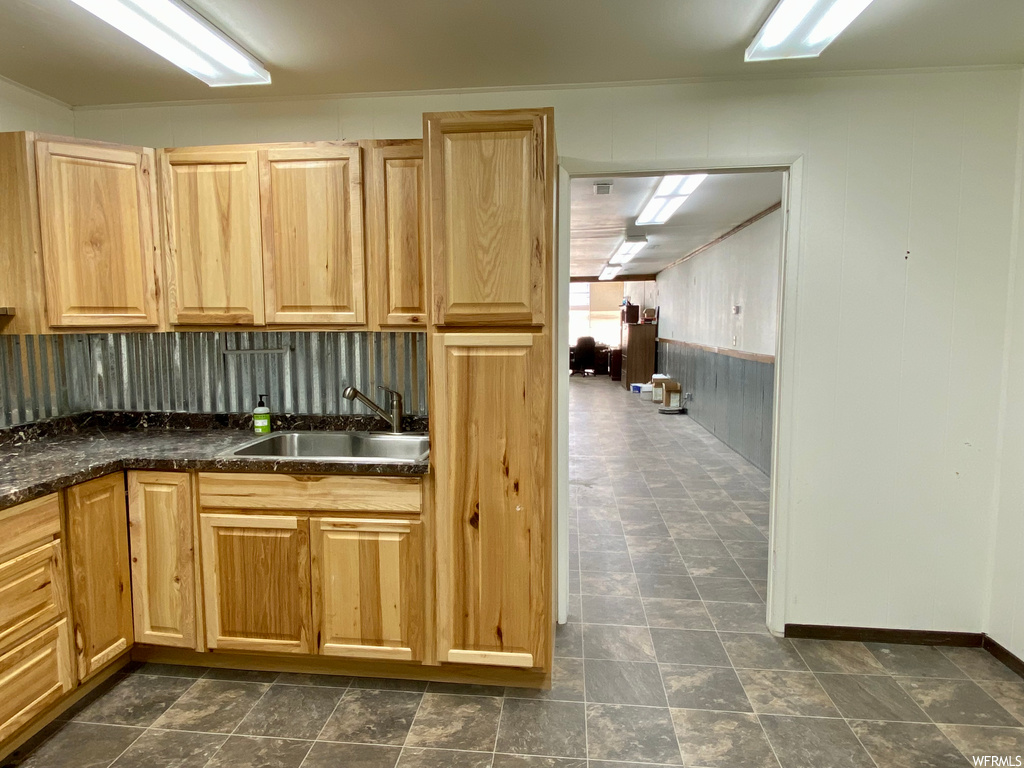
x=660 y=380
x=672 y=394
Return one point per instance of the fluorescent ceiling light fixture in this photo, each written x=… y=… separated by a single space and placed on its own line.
x=630 y=247
x=609 y=273
x=799 y=29
x=183 y=37
x=670 y=194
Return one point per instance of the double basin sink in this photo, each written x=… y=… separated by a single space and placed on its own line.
x=348 y=447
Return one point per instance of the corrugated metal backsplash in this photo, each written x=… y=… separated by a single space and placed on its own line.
x=208 y=372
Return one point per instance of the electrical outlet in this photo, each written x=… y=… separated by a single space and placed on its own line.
x=734 y=341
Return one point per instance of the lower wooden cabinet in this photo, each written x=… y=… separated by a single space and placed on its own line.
x=34 y=675
x=33 y=592
x=101 y=596
x=256 y=582
x=368 y=587
x=36 y=664
x=492 y=411
x=160 y=519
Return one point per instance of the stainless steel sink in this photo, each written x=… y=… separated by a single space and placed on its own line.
x=355 y=447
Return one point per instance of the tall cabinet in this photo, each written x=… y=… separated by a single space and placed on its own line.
x=490 y=181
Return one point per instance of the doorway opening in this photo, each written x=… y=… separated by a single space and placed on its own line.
x=674 y=287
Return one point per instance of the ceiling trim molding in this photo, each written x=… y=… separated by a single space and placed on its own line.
x=738 y=228
x=767 y=77
x=618 y=279
x=34 y=92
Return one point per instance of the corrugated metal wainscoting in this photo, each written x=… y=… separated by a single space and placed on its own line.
x=732 y=397
x=206 y=372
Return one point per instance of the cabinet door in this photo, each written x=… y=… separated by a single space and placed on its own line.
x=312 y=201
x=160 y=513
x=33 y=676
x=492 y=450
x=212 y=218
x=490 y=180
x=101 y=594
x=256 y=582
x=396 y=241
x=98 y=228
x=368 y=588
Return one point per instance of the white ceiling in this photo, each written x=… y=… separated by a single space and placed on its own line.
x=363 y=46
x=598 y=223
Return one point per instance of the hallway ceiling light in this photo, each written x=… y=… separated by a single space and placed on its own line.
x=670 y=194
x=630 y=247
x=609 y=273
x=183 y=37
x=800 y=29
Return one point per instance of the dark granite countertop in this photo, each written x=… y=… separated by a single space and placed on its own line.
x=46 y=461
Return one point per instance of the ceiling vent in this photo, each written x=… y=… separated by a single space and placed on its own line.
x=602 y=187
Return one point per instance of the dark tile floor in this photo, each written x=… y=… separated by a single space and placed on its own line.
x=665 y=661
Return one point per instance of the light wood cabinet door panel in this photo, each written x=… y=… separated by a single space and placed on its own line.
x=312 y=202
x=490 y=184
x=493 y=504
x=33 y=592
x=98 y=229
x=211 y=204
x=28 y=525
x=101 y=592
x=368 y=587
x=33 y=676
x=396 y=234
x=256 y=582
x=160 y=518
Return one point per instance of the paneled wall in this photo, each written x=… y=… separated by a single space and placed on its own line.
x=895 y=303
x=697 y=297
x=1006 y=609
x=209 y=372
x=732 y=397
x=23 y=110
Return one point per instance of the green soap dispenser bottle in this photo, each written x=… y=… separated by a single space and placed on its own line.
x=261 y=417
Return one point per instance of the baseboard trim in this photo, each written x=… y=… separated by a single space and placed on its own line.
x=881 y=635
x=907 y=637
x=1005 y=656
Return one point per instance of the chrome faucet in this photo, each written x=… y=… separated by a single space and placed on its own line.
x=394 y=418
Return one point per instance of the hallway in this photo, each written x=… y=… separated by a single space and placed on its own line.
x=669 y=561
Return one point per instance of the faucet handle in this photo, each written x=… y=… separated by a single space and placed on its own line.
x=394 y=395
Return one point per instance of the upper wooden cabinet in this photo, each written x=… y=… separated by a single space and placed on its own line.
x=78 y=235
x=490 y=179
x=396 y=234
x=98 y=228
x=101 y=593
x=491 y=427
x=211 y=205
x=312 y=199
x=160 y=520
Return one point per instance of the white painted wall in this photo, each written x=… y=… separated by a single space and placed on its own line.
x=698 y=295
x=890 y=367
x=643 y=293
x=1006 y=610
x=25 y=110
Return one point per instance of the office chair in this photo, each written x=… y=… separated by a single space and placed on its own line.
x=586 y=356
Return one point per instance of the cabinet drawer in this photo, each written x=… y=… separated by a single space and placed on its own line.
x=327 y=493
x=33 y=676
x=33 y=592
x=27 y=524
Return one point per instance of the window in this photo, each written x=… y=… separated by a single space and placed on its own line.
x=595 y=313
